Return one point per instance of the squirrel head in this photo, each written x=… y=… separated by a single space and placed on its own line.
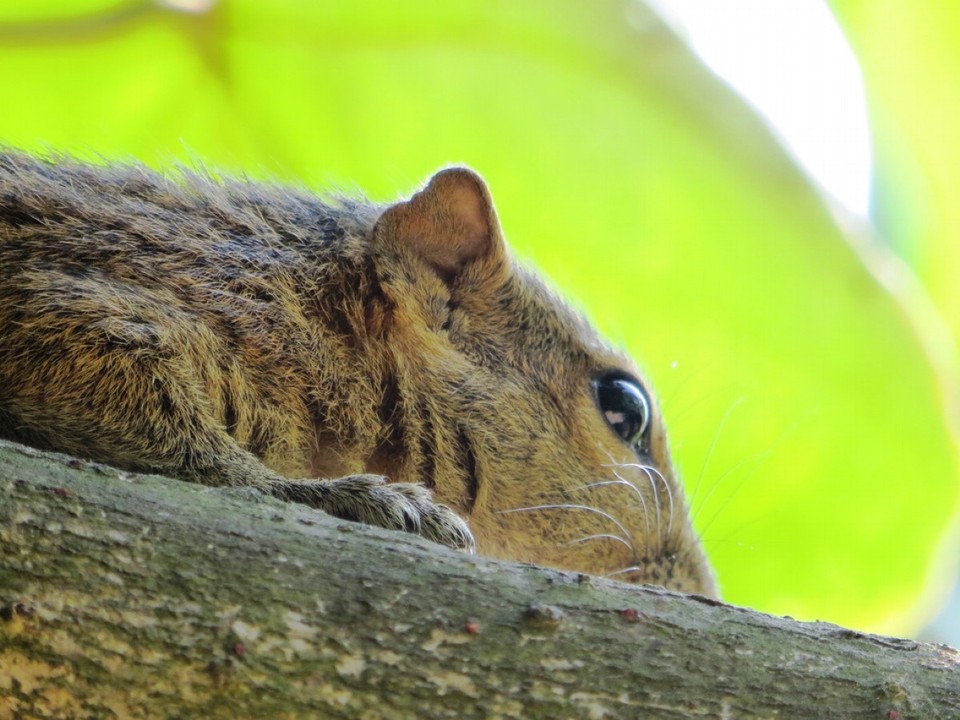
x=512 y=408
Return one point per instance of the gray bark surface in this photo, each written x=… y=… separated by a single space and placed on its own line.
x=125 y=595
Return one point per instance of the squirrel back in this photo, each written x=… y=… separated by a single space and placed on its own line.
x=235 y=333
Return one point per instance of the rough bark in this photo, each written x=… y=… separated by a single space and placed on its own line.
x=132 y=596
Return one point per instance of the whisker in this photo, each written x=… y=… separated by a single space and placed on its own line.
x=746 y=462
x=645 y=468
x=621 y=480
x=666 y=486
x=709 y=457
x=650 y=470
x=604 y=536
x=758 y=458
x=672 y=508
x=656 y=494
x=656 y=503
x=731 y=537
x=624 y=571
x=643 y=503
x=674 y=391
x=618 y=481
x=625 y=483
x=570 y=506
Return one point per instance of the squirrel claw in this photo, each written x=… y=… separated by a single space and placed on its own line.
x=372 y=500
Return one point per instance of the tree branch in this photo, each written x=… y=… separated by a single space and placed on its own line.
x=124 y=595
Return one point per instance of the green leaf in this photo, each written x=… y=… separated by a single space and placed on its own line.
x=910 y=55
x=805 y=415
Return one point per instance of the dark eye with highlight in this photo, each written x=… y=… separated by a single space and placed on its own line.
x=624 y=405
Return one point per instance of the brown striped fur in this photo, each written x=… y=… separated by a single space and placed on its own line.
x=241 y=334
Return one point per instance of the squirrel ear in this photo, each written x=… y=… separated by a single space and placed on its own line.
x=449 y=223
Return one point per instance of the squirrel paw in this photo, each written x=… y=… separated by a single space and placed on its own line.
x=396 y=506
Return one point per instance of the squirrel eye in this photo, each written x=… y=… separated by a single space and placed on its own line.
x=624 y=406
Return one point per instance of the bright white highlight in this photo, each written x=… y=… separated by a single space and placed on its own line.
x=790 y=60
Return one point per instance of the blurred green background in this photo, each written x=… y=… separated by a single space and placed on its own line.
x=805 y=369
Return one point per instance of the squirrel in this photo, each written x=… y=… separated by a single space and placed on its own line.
x=389 y=364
